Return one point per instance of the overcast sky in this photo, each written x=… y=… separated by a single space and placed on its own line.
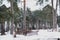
x=32 y=5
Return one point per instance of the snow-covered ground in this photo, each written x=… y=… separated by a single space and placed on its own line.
x=40 y=35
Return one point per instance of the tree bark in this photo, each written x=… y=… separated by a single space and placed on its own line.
x=12 y=20
x=54 y=15
x=7 y=28
x=2 y=28
x=24 y=16
x=54 y=23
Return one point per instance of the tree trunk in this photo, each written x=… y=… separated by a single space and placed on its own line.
x=12 y=20
x=54 y=22
x=37 y=24
x=12 y=27
x=2 y=28
x=59 y=6
x=7 y=28
x=24 y=16
x=54 y=15
x=46 y=24
x=33 y=25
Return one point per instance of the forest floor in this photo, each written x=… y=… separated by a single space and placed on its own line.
x=34 y=35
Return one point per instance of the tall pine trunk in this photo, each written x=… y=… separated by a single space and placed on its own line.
x=54 y=15
x=12 y=20
x=24 y=16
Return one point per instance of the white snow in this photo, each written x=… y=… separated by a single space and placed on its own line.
x=35 y=35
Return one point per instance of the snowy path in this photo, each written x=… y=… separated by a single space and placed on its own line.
x=32 y=36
